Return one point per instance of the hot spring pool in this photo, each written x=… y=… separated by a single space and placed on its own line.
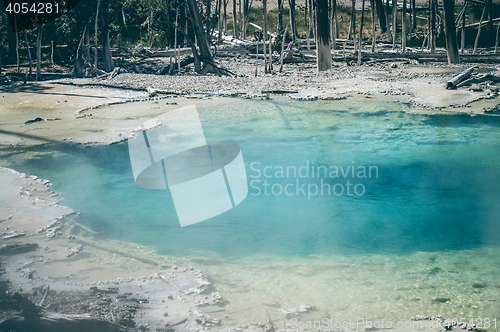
x=400 y=182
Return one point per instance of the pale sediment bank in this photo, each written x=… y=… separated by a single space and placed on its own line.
x=72 y=109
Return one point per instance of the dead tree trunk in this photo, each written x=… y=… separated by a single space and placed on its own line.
x=246 y=11
x=333 y=29
x=235 y=20
x=352 y=25
x=106 y=45
x=323 y=52
x=450 y=31
x=78 y=59
x=382 y=23
x=490 y=18
x=17 y=51
x=39 y=53
x=29 y=52
x=361 y=32
x=496 y=40
x=462 y=36
x=413 y=14
x=201 y=37
x=293 y=24
x=394 y=22
x=219 y=23
x=374 y=35
x=280 y=15
x=432 y=36
x=208 y=14
x=387 y=19
x=264 y=15
x=403 y=24
x=95 y=35
x=479 y=31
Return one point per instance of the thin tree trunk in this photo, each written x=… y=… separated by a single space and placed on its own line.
x=257 y=59
x=175 y=30
x=374 y=34
x=201 y=36
x=312 y=15
x=107 y=57
x=87 y=41
x=17 y=52
x=208 y=14
x=52 y=53
x=39 y=53
x=462 y=48
x=352 y=24
x=95 y=35
x=379 y=6
x=362 y=22
x=432 y=39
x=240 y=16
x=490 y=18
x=429 y=19
x=29 y=52
x=280 y=15
x=413 y=14
x=333 y=29
x=450 y=31
x=225 y=17
x=235 y=20
x=270 y=56
x=496 y=41
x=394 y=22
x=403 y=23
x=282 y=49
x=293 y=24
x=479 y=30
x=264 y=32
x=360 y=49
x=219 y=21
x=336 y=17
x=323 y=51
x=246 y=9
x=387 y=19
x=78 y=59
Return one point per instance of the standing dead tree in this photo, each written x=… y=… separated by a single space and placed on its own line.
x=29 y=52
x=293 y=24
x=403 y=24
x=201 y=37
x=374 y=35
x=394 y=22
x=39 y=53
x=479 y=29
x=323 y=52
x=235 y=20
x=450 y=31
x=382 y=22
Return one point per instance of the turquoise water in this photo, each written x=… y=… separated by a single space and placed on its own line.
x=434 y=186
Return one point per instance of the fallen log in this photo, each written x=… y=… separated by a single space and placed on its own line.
x=481 y=79
x=452 y=84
